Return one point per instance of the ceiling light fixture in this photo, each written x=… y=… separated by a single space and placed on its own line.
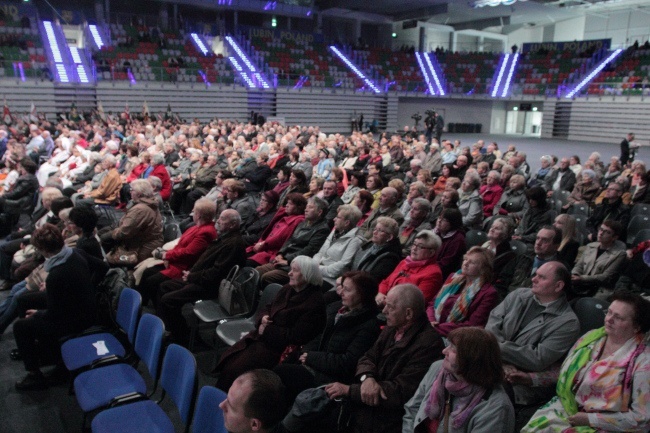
x=494 y=3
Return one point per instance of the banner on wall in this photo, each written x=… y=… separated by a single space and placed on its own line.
x=576 y=46
x=283 y=35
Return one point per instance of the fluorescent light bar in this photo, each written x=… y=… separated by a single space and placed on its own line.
x=506 y=86
x=355 y=69
x=593 y=73
x=500 y=76
x=441 y=91
x=199 y=43
x=424 y=72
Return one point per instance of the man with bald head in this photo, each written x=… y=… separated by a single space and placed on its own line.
x=535 y=328
x=390 y=372
x=204 y=277
x=387 y=207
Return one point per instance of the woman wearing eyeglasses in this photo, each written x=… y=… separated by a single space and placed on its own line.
x=419 y=268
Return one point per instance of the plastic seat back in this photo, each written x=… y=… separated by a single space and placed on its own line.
x=475 y=238
x=178 y=378
x=208 y=416
x=148 y=342
x=637 y=223
x=171 y=232
x=591 y=313
x=128 y=310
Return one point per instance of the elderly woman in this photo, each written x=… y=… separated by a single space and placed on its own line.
x=315 y=187
x=604 y=382
x=160 y=171
x=467 y=297
x=568 y=250
x=513 y=201
x=537 y=215
x=449 y=227
x=278 y=231
x=505 y=260
x=585 y=190
x=419 y=268
x=107 y=192
x=546 y=169
x=189 y=248
x=491 y=192
x=417 y=221
x=445 y=173
x=352 y=328
x=374 y=185
x=294 y=317
x=463 y=392
x=140 y=229
x=640 y=193
x=470 y=203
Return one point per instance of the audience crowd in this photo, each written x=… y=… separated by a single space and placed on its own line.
x=426 y=286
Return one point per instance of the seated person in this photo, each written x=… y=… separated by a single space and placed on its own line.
x=467 y=297
x=449 y=227
x=140 y=230
x=585 y=191
x=568 y=249
x=419 y=268
x=351 y=330
x=259 y=221
x=21 y=198
x=464 y=390
x=108 y=190
x=635 y=275
x=417 y=220
x=611 y=208
x=202 y=280
x=189 y=248
x=535 y=328
x=389 y=373
x=340 y=247
x=605 y=378
x=513 y=201
x=381 y=254
x=600 y=264
x=470 y=203
x=545 y=250
x=534 y=217
x=505 y=260
x=70 y=308
x=491 y=192
x=387 y=207
x=294 y=317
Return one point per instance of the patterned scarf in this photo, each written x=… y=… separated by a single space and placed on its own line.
x=460 y=309
x=466 y=397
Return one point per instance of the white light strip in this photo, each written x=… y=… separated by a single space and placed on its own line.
x=441 y=91
x=242 y=74
x=500 y=76
x=82 y=74
x=241 y=54
x=96 y=36
x=199 y=43
x=355 y=69
x=594 y=73
x=424 y=72
x=506 y=86
x=249 y=65
x=54 y=46
x=75 y=55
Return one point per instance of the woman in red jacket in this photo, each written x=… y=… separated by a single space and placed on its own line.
x=180 y=258
x=160 y=171
x=278 y=231
x=420 y=268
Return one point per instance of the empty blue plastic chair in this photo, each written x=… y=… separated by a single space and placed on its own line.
x=177 y=379
x=82 y=351
x=98 y=387
x=208 y=416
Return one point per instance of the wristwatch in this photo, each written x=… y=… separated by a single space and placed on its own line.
x=364 y=377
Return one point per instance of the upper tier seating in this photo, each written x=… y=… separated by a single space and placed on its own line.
x=540 y=73
x=397 y=66
x=21 y=45
x=626 y=78
x=468 y=72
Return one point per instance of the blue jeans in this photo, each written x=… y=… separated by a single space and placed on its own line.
x=9 y=307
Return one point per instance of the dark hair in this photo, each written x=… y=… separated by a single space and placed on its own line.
x=298 y=200
x=557 y=233
x=29 y=165
x=478 y=356
x=615 y=226
x=365 y=284
x=84 y=217
x=361 y=178
x=266 y=401
x=48 y=239
x=576 y=157
x=300 y=175
x=454 y=217
x=561 y=273
x=639 y=304
x=538 y=194
x=60 y=203
x=379 y=184
x=238 y=188
x=226 y=174
x=365 y=196
x=285 y=170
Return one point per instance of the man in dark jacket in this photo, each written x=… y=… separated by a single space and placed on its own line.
x=70 y=307
x=333 y=201
x=390 y=372
x=203 y=279
x=611 y=208
x=21 y=198
x=306 y=240
x=255 y=180
x=563 y=178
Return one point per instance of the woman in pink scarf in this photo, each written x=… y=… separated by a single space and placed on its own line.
x=463 y=392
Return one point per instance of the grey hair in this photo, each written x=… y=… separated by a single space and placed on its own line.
x=410 y=296
x=589 y=173
x=474 y=178
x=432 y=239
x=390 y=224
x=109 y=159
x=420 y=186
x=320 y=204
x=157 y=159
x=496 y=175
x=309 y=270
x=142 y=187
x=350 y=213
x=155 y=182
x=547 y=158
x=422 y=202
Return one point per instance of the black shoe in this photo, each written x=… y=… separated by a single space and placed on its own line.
x=32 y=381
x=57 y=375
x=15 y=355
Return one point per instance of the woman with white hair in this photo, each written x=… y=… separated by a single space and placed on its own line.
x=543 y=173
x=160 y=171
x=470 y=203
x=585 y=191
x=60 y=154
x=294 y=317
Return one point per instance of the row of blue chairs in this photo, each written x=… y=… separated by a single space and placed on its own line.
x=106 y=379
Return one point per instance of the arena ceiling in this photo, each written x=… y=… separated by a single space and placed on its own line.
x=464 y=14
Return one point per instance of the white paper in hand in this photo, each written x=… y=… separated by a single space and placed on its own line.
x=101 y=347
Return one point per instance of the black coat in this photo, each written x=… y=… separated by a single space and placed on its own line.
x=382 y=262
x=21 y=198
x=334 y=355
x=257 y=178
x=253 y=229
x=306 y=240
x=217 y=260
